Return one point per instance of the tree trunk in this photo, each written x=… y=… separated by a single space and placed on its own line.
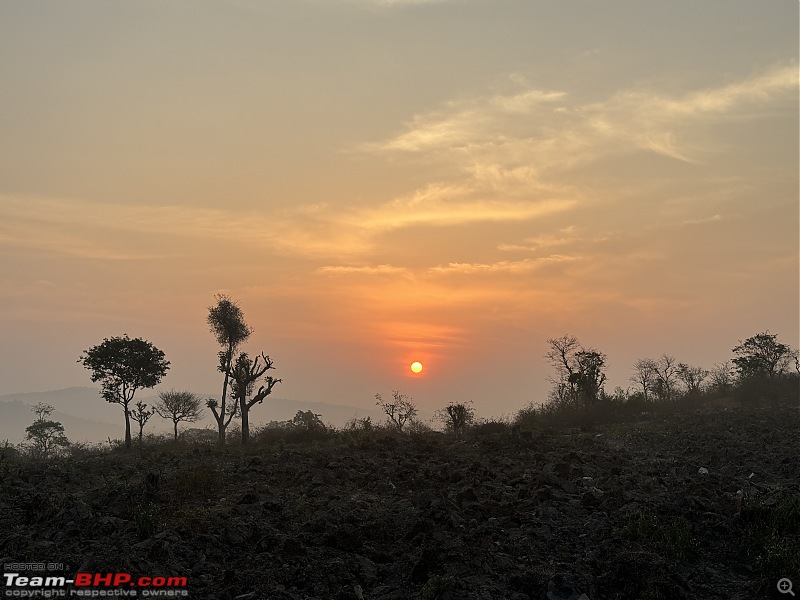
x=175 y=423
x=127 y=427
x=245 y=421
x=221 y=421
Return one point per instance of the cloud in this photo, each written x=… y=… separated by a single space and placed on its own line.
x=440 y=205
x=362 y=270
x=97 y=230
x=513 y=267
x=535 y=131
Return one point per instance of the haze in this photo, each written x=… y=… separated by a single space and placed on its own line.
x=378 y=182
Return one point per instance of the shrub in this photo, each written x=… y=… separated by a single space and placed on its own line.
x=400 y=410
x=493 y=426
x=456 y=417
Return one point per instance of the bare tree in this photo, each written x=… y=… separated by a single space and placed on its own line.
x=244 y=375
x=400 y=410
x=141 y=415
x=226 y=322
x=561 y=356
x=644 y=375
x=179 y=407
x=722 y=377
x=666 y=383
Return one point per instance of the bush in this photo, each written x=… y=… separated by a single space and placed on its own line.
x=456 y=417
x=493 y=426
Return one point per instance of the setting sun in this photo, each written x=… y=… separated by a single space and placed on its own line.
x=416 y=367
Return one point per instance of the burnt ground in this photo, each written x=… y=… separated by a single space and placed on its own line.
x=620 y=511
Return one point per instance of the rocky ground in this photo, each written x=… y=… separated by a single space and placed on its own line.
x=626 y=510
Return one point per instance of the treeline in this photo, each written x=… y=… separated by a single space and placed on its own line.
x=760 y=371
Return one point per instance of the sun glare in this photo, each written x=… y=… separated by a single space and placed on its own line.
x=416 y=367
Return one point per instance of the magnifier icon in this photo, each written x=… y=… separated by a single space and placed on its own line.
x=785 y=586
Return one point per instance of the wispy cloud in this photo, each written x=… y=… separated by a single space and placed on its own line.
x=84 y=229
x=505 y=266
x=362 y=270
x=538 y=130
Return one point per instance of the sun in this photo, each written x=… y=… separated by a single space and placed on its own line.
x=416 y=367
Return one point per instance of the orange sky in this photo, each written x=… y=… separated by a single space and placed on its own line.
x=381 y=182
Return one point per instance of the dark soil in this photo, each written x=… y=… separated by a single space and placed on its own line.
x=621 y=511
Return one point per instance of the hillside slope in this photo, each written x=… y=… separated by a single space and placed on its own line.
x=624 y=511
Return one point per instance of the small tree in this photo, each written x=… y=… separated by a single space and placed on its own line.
x=141 y=415
x=178 y=407
x=308 y=421
x=722 y=377
x=692 y=377
x=124 y=366
x=644 y=375
x=666 y=382
x=456 y=417
x=579 y=377
x=244 y=375
x=589 y=376
x=400 y=410
x=226 y=321
x=46 y=436
x=763 y=365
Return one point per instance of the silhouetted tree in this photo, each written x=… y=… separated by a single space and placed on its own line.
x=226 y=322
x=666 y=383
x=762 y=357
x=141 y=415
x=561 y=356
x=579 y=375
x=400 y=410
x=45 y=435
x=456 y=417
x=692 y=377
x=123 y=366
x=644 y=375
x=763 y=365
x=308 y=421
x=589 y=376
x=722 y=377
x=178 y=407
x=244 y=374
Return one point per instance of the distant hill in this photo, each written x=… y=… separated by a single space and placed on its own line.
x=87 y=417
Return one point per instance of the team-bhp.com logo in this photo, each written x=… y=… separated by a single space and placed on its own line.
x=93 y=585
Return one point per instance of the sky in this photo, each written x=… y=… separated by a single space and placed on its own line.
x=382 y=181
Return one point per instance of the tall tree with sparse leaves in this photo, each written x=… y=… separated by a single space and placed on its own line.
x=123 y=366
x=244 y=375
x=226 y=321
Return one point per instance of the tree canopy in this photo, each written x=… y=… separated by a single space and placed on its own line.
x=762 y=356
x=123 y=366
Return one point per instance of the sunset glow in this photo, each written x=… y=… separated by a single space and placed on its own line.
x=382 y=185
